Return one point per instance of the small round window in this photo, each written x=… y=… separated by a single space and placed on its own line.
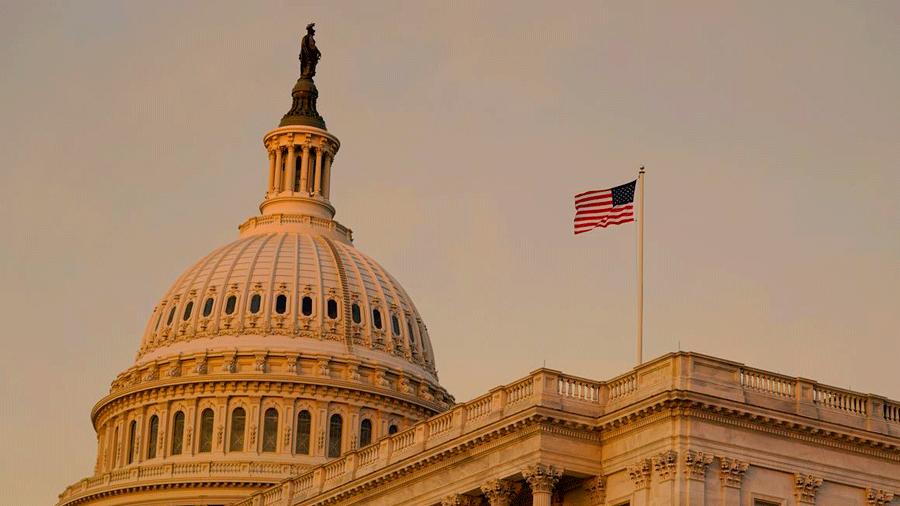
x=357 y=316
x=376 y=318
x=306 y=306
x=395 y=324
x=187 y=310
x=230 y=303
x=393 y=429
x=255 y=302
x=281 y=304
x=208 y=306
x=332 y=309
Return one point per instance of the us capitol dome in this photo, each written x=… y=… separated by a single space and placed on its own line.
x=272 y=354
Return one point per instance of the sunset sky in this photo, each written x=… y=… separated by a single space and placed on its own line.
x=131 y=145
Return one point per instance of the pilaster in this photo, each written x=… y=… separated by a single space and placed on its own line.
x=596 y=489
x=732 y=476
x=501 y=492
x=640 y=474
x=460 y=500
x=805 y=488
x=695 y=466
x=876 y=497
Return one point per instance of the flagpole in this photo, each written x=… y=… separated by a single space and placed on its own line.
x=640 y=329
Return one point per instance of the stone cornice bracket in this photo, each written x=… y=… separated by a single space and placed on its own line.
x=460 y=500
x=733 y=471
x=696 y=464
x=501 y=492
x=596 y=489
x=806 y=486
x=639 y=472
x=876 y=497
x=542 y=478
x=665 y=464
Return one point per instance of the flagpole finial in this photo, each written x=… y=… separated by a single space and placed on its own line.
x=642 y=168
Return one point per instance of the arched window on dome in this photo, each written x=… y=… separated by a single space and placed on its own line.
x=152 y=437
x=177 y=432
x=208 y=306
x=298 y=168
x=376 y=318
x=395 y=325
x=158 y=319
x=187 y=310
x=270 y=430
x=304 y=427
x=230 y=304
x=281 y=304
x=132 y=433
x=255 y=303
x=115 y=448
x=238 y=425
x=355 y=312
x=207 y=418
x=171 y=316
x=335 y=431
x=306 y=306
x=393 y=429
x=365 y=432
x=311 y=181
x=332 y=309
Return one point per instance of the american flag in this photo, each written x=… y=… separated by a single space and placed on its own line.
x=601 y=208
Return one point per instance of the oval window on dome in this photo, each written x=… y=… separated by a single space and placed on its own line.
x=332 y=309
x=254 y=303
x=171 y=316
x=306 y=306
x=229 y=304
x=281 y=304
x=395 y=325
x=357 y=316
x=376 y=318
x=158 y=320
x=187 y=310
x=208 y=306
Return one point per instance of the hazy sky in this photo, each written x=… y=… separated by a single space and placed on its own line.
x=131 y=145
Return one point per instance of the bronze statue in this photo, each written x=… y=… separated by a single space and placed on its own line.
x=309 y=53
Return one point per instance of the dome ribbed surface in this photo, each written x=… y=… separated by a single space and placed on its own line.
x=195 y=315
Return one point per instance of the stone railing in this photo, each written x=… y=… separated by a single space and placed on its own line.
x=544 y=388
x=238 y=471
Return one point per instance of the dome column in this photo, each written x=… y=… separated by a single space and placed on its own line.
x=326 y=176
x=279 y=176
x=318 y=171
x=271 y=170
x=290 y=172
x=304 y=169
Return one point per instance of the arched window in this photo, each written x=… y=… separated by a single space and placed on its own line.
x=393 y=429
x=132 y=429
x=158 y=320
x=332 y=309
x=171 y=316
x=206 y=431
x=395 y=324
x=208 y=306
x=335 y=429
x=304 y=427
x=177 y=432
x=311 y=182
x=230 y=302
x=153 y=437
x=115 y=448
x=238 y=422
x=365 y=433
x=306 y=306
x=281 y=304
x=412 y=337
x=254 y=303
x=270 y=430
x=298 y=164
x=376 y=318
x=187 y=310
x=357 y=316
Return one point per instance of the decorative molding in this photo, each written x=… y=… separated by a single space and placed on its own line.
x=875 y=497
x=542 y=478
x=806 y=486
x=501 y=492
x=639 y=472
x=460 y=500
x=696 y=464
x=733 y=471
x=596 y=489
x=665 y=464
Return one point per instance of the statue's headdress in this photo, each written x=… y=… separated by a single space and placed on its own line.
x=310 y=26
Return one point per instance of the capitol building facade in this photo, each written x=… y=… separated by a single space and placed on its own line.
x=287 y=368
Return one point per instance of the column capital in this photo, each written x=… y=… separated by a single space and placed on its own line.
x=639 y=472
x=542 y=478
x=806 y=486
x=733 y=471
x=875 y=497
x=665 y=463
x=501 y=492
x=596 y=489
x=460 y=500
x=696 y=464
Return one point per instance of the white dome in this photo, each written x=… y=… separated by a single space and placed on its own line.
x=290 y=290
